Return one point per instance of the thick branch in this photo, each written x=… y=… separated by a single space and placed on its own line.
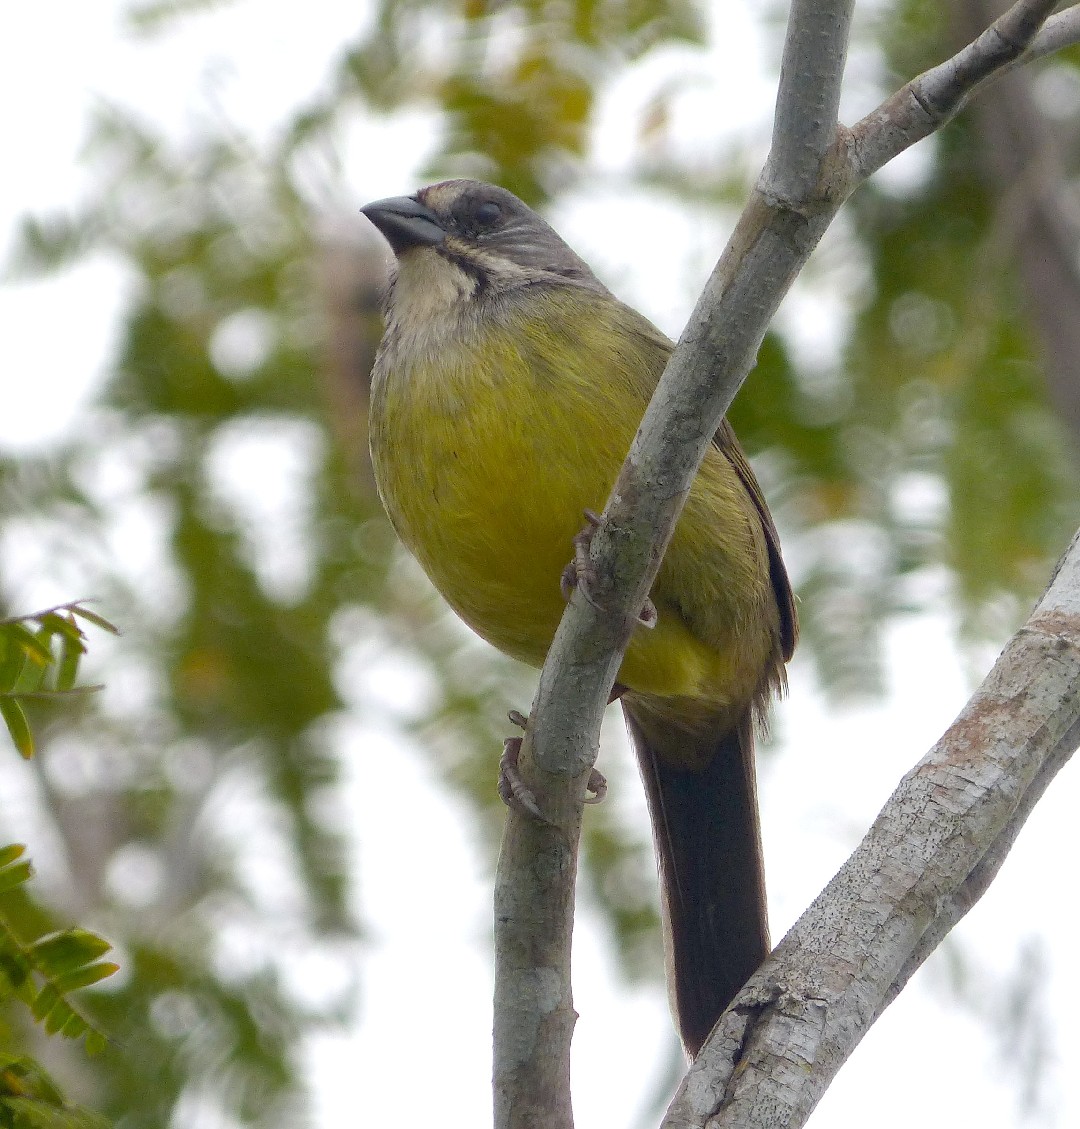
x=977 y=883
x=804 y=126
x=926 y=860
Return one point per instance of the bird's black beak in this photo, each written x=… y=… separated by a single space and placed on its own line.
x=405 y=223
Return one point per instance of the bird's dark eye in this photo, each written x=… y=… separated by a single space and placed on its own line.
x=487 y=213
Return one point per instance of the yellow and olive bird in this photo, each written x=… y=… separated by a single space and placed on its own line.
x=506 y=392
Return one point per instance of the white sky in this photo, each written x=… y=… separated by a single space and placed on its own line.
x=924 y=1061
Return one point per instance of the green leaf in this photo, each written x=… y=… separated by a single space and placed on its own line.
x=14 y=967
x=15 y=875
x=30 y=644
x=33 y=674
x=75 y=1026
x=32 y=1113
x=64 y=626
x=13 y=661
x=57 y=1017
x=84 y=977
x=18 y=726
x=59 y=953
x=44 y=1002
x=10 y=853
x=68 y=670
x=94 y=618
x=22 y=1076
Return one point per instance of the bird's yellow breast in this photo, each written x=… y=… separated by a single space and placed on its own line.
x=487 y=450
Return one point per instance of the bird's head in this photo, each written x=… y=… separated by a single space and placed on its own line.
x=463 y=243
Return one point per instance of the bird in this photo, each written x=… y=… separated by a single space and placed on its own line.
x=506 y=391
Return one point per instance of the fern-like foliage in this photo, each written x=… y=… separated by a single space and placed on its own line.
x=29 y=1099
x=39 y=659
x=42 y=973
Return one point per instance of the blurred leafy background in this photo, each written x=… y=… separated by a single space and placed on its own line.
x=915 y=419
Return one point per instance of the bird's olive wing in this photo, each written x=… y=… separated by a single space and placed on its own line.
x=728 y=444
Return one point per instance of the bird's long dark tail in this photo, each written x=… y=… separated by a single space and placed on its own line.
x=708 y=845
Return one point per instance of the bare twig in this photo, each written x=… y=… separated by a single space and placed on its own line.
x=1060 y=30
x=927 y=102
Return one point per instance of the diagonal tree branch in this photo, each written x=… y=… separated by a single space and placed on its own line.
x=933 y=98
x=977 y=883
x=1060 y=31
x=926 y=860
x=815 y=165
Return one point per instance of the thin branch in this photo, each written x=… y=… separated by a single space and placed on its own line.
x=1060 y=31
x=927 y=102
x=927 y=858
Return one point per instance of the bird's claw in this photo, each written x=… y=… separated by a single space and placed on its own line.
x=513 y=790
x=580 y=574
x=516 y=793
